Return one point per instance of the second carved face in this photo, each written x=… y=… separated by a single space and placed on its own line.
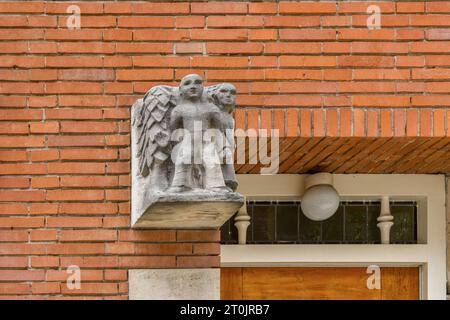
x=226 y=95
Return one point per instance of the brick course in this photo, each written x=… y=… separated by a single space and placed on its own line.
x=311 y=69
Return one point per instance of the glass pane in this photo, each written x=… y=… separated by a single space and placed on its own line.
x=373 y=231
x=225 y=232
x=333 y=228
x=263 y=222
x=403 y=229
x=355 y=223
x=250 y=227
x=310 y=231
x=287 y=222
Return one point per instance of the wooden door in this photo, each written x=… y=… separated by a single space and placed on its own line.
x=317 y=284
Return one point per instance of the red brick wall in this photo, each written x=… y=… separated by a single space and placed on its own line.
x=65 y=98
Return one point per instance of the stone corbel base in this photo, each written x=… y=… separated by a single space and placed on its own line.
x=195 y=210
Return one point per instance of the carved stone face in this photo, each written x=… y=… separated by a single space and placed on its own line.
x=227 y=94
x=191 y=87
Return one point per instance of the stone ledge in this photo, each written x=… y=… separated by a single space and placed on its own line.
x=193 y=210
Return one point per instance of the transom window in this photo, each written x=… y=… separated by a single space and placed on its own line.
x=355 y=222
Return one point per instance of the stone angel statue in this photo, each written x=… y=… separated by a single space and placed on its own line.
x=184 y=137
x=182 y=156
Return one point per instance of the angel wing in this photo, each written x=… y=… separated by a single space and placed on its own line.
x=150 y=118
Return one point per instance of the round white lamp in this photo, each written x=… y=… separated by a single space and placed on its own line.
x=320 y=200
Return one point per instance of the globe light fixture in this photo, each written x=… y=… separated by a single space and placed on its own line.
x=320 y=200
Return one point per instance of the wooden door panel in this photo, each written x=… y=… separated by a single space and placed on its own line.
x=231 y=283
x=400 y=283
x=306 y=283
x=317 y=283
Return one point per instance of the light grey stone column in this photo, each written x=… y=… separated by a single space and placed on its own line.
x=174 y=284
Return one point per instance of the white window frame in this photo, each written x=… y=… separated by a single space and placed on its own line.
x=429 y=254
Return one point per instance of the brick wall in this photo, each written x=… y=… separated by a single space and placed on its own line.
x=65 y=98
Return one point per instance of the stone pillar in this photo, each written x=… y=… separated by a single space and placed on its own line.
x=385 y=220
x=174 y=284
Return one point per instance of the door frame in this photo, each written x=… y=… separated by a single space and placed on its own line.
x=429 y=254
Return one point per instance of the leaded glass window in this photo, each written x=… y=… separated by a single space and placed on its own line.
x=274 y=222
